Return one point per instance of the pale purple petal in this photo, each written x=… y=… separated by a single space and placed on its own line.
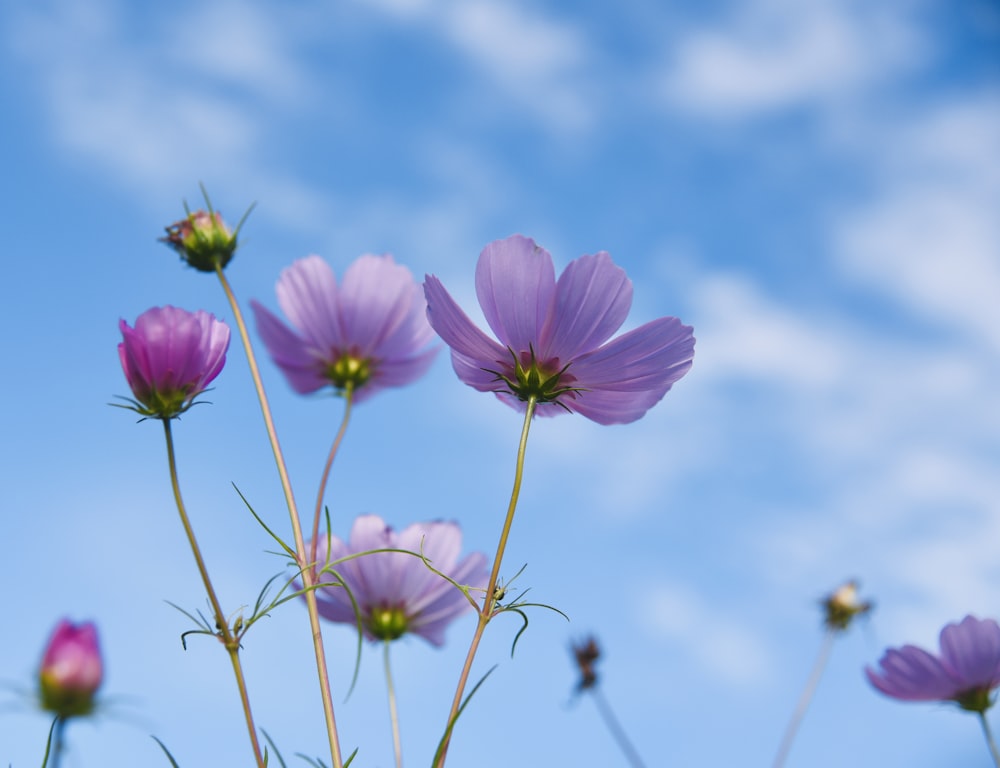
x=627 y=376
x=294 y=356
x=592 y=300
x=376 y=318
x=912 y=674
x=515 y=283
x=400 y=580
x=971 y=651
x=472 y=350
x=551 y=335
x=307 y=293
x=377 y=299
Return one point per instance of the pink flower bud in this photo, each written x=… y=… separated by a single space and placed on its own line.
x=71 y=669
x=202 y=239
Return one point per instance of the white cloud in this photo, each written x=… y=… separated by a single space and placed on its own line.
x=728 y=651
x=931 y=237
x=774 y=54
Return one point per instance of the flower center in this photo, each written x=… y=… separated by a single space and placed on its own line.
x=388 y=622
x=546 y=381
x=349 y=372
x=975 y=700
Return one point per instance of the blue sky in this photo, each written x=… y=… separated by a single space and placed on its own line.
x=813 y=186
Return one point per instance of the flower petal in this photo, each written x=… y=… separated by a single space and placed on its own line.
x=627 y=376
x=472 y=350
x=971 y=650
x=515 y=284
x=292 y=354
x=592 y=300
x=307 y=294
x=377 y=299
x=912 y=674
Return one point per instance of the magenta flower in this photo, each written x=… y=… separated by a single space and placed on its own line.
x=367 y=334
x=966 y=671
x=397 y=593
x=71 y=669
x=554 y=335
x=170 y=357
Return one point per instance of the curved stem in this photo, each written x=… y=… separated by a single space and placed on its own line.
x=304 y=566
x=489 y=604
x=806 y=697
x=989 y=739
x=608 y=715
x=231 y=642
x=349 y=402
x=393 y=712
x=56 y=735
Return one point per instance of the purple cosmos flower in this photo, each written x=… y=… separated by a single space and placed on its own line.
x=367 y=334
x=966 y=671
x=552 y=335
x=170 y=357
x=71 y=670
x=397 y=593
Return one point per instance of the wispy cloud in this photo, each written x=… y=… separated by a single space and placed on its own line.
x=770 y=55
x=727 y=650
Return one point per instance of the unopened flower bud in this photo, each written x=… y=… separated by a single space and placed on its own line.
x=842 y=605
x=586 y=654
x=202 y=239
x=71 y=670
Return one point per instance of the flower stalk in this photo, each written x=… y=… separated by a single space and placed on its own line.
x=345 y=420
x=489 y=607
x=229 y=640
x=304 y=566
x=990 y=742
x=397 y=746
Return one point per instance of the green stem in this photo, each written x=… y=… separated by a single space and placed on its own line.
x=806 y=697
x=989 y=739
x=393 y=712
x=304 y=566
x=489 y=604
x=56 y=735
x=349 y=402
x=608 y=715
x=231 y=642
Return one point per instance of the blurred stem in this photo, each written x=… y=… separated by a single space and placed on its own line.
x=304 y=566
x=489 y=604
x=393 y=712
x=54 y=745
x=608 y=715
x=989 y=739
x=806 y=697
x=348 y=403
x=230 y=641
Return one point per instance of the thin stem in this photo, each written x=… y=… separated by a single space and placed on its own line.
x=393 y=712
x=608 y=715
x=806 y=697
x=305 y=567
x=348 y=403
x=57 y=743
x=989 y=739
x=231 y=643
x=489 y=604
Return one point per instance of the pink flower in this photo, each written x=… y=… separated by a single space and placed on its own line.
x=170 y=357
x=554 y=336
x=966 y=671
x=71 y=669
x=396 y=593
x=366 y=334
